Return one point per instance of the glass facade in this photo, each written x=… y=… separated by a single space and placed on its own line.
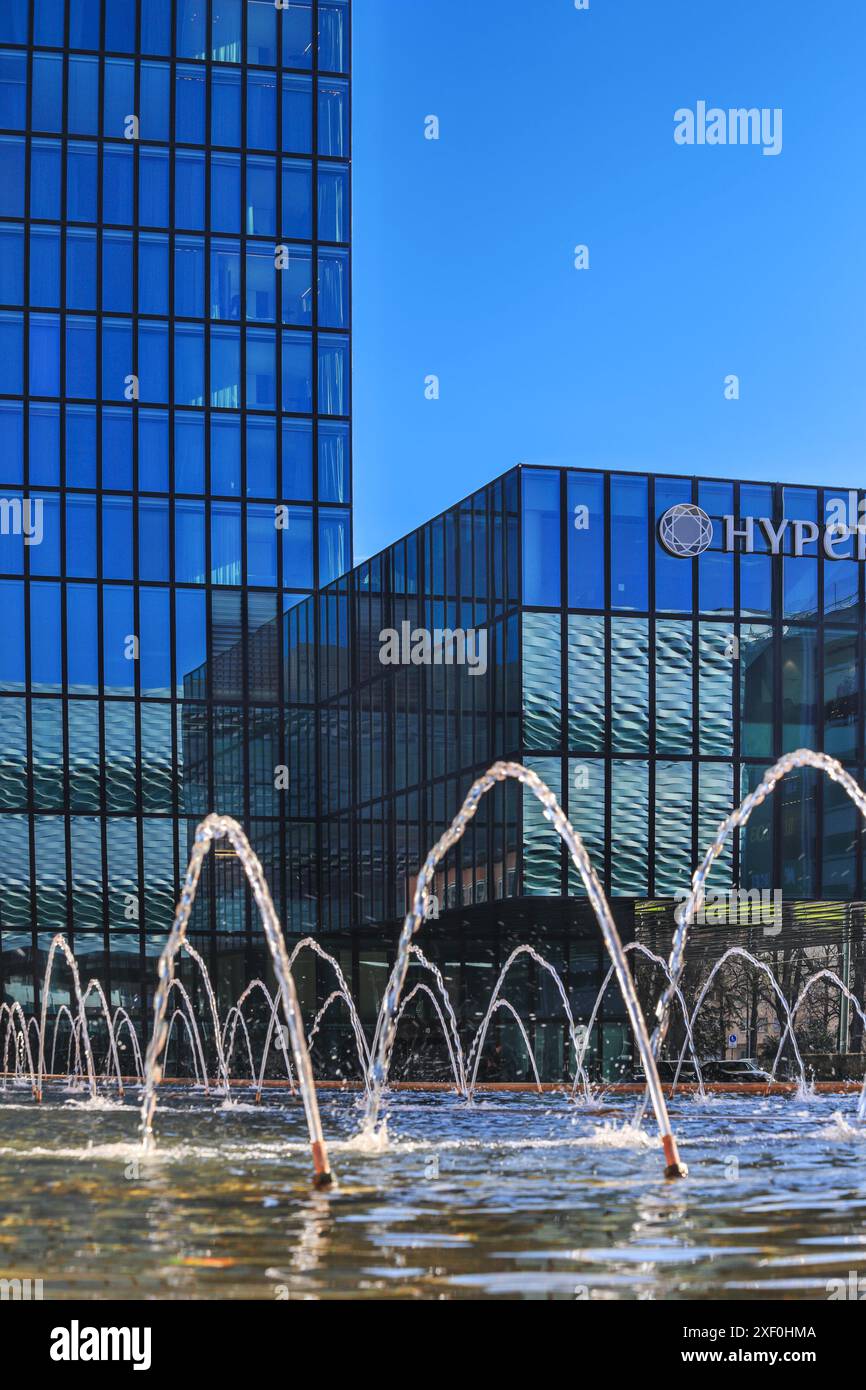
x=175 y=469
x=683 y=678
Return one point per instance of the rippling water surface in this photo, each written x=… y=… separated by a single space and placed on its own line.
x=512 y=1196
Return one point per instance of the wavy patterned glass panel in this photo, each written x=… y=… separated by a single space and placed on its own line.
x=586 y=802
x=13 y=754
x=674 y=660
x=757 y=702
x=86 y=842
x=715 y=803
x=756 y=836
x=542 y=686
x=673 y=828
x=586 y=684
x=541 y=845
x=716 y=689
x=15 y=908
x=629 y=800
x=629 y=685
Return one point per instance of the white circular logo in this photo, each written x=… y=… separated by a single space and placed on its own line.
x=685 y=530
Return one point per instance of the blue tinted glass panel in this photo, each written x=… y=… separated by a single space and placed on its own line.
x=261 y=546
x=47 y=24
x=225 y=540
x=227 y=31
x=334 y=37
x=297 y=23
x=334 y=368
x=156 y=26
x=297 y=115
x=297 y=460
x=334 y=118
x=119 y=98
x=120 y=26
x=83 y=95
x=189 y=189
x=153 y=450
x=12 y=442
x=673 y=573
x=117 y=538
x=298 y=548
x=12 y=673
x=153 y=188
x=155 y=651
x=334 y=204
x=189 y=277
x=262 y=33
x=117 y=450
x=83 y=24
x=118 y=182
x=334 y=289
x=81 y=179
x=45 y=270
x=585 y=503
x=297 y=373
x=225 y=455
x=153 y=538
x=261 y=215
x=155 y=101
x=334 y=556
x=191 y=29
x=628 y=542
x=297 y=198
x=11 y=354
x=80 y=446
x=118 y=628
x=13 y=24
x=190 y=636
x=81 y=549
x=117 y=263
x=189 y=453
x=13 y=90
x=189 y=542
x=261 y=111
x=46 y=644
x=334 y=465
x=11 y=265
x=47 y=91
x=80 y=269
x=225 y=202
x=261 y=457
x=45 y=445
x=261 y=369
x=116 y=358
x=82 y=638
x=45 y=179
x=541 y=577
x=190 y=105
x=12 y=177
x=188 y=364
x=45 y=355
x=225 y=107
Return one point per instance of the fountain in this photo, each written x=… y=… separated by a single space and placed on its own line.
x=374 y=1056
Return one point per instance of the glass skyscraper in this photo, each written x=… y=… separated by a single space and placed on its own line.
x=174 y=442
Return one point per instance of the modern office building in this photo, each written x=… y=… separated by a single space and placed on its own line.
x=174 y=435
x=650 y=645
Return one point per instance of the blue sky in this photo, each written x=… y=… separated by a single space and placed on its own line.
x=556 y=129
